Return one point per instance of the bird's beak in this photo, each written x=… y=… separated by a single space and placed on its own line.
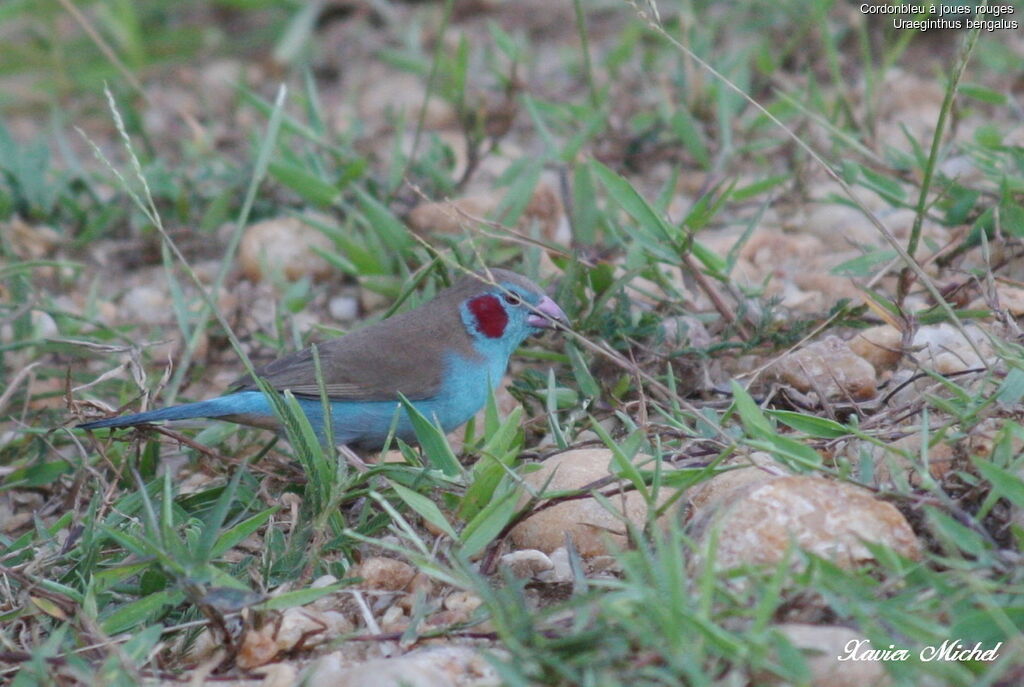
x=546 y=315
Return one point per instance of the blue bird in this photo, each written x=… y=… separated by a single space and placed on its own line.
x=445 y=357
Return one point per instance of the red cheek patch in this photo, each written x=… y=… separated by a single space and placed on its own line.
x=490 y=315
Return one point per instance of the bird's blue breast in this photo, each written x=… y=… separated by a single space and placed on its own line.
x=464 y=390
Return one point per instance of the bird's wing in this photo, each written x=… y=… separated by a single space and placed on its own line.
x=404 y=354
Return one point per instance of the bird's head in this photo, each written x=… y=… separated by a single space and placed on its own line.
x=503 y=308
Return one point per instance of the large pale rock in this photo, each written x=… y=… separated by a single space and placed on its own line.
x=451 y=666
x=746 y=471
x=756 y=522
x=830 y=368
x=822 y=645
x=286 y=244
x=331 y=671
x=592 y=527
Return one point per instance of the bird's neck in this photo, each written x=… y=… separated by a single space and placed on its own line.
x=468 y=383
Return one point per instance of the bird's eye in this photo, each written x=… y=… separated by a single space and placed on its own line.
x=513 y=298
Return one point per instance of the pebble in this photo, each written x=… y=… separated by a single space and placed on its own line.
x=286 y=245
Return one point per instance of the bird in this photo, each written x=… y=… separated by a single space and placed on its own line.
x=444 y=357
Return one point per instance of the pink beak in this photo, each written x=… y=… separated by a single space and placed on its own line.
x=546 y=315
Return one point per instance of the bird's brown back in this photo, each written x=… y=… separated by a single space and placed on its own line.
x=367 y=364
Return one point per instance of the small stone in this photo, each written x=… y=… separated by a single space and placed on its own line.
x=562 y=569
x=203 y=647
x=386 y=574
x=371 y=301
x=463 y=601
x=453 y=217
x=394 y=619
x=831 y=219
x=444 y=618
x=258 y=648
x=420 y=588
x=344 y=308
x=984 y=436
x=43 y=325
x=890 y=461
x=910 y=109
x=297 y=627
x=945 y=349
x=980 y=445
x=772 y=247
x=421 y=584
x=286 y=245
x=145 y=304
x=338 y=624
x=323 y=581
x=388 y=94
x=30 y=241
x=830 y=368
x=107 y=312
x=880 y=346
x=681 y=332
x=300 y=625
x=820 y=290
x=217 y=83
x=605 y=565
x=793 y=267
x=450 y=217
x=1009 y=296
x=396 y=456
x=527 y=563
x=329 y=601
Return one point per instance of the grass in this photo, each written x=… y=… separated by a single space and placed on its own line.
x=116 y=553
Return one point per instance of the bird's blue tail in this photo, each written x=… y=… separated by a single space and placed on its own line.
x=215 y=407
